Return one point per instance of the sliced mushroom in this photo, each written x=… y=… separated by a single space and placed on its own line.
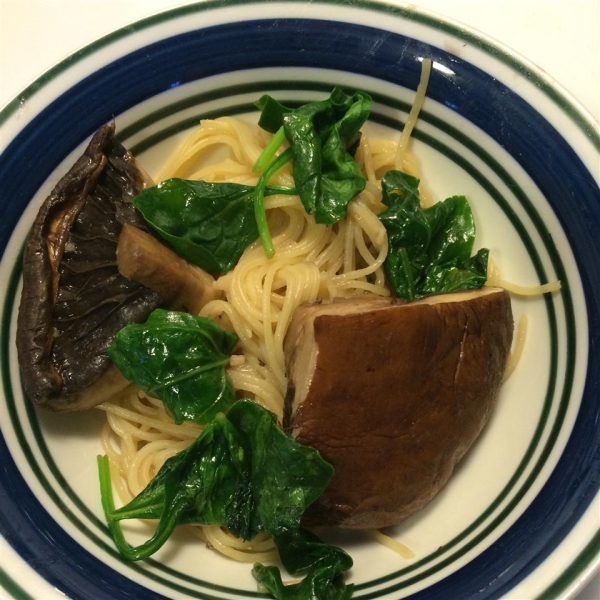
x=393 y=395
x=144 y=259
x=74 y=300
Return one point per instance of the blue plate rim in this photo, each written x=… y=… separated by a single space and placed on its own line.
x=174 y=12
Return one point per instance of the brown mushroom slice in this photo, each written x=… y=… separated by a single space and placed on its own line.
x=393 y=395
x=144 y=259
x=74 y=300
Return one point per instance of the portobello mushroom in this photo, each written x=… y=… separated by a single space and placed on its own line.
x=393 y=395
x=144 y=259
x=74 y=300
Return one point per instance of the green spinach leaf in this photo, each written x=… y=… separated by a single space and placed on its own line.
x=322 y=136
x=324 y=582
x=429 y=248
x=285 y=481
x=209 y=224
x=272 y=113
x=302 y=551
x=245 y=473
x=204 y=484
x=286 y=476
x=181 y=359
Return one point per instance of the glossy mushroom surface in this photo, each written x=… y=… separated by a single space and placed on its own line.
x=393 y=395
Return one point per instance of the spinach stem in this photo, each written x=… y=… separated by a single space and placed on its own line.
x=262 y=162
x=259 y=201
x=108 y=506
x=164 y=530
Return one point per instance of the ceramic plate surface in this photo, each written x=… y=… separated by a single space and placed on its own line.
x=520 y=516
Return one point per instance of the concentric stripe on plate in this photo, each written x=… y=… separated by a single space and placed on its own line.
x=37 y=147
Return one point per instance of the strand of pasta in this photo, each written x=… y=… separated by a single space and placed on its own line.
x=494 y=280
x=515 y=355
x=414 y=113
x=365 y=158
x=398 y=547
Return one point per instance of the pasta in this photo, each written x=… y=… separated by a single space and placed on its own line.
x=517 y=350
x=311 y=261
x=494 y=279
x=391 y=543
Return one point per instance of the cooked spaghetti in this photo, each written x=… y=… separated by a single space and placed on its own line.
x=311 y=262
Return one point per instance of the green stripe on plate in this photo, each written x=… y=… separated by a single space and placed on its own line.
x=583 y=560
x=12 y=587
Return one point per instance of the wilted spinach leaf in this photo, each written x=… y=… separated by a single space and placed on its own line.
x=245 y=473
x=271 y=113
x=286 y=476
x=324 y=582
x=303 y=552
x=429 y=248
x=285 y=481
x=322 y=136
x=206 y=483
x=181 y=359
x=209 y=224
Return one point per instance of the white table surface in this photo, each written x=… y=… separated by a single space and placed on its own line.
x=562 y=37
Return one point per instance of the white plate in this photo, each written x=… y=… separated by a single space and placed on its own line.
x=520 y=516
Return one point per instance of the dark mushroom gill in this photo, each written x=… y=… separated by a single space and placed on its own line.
x=74 y=300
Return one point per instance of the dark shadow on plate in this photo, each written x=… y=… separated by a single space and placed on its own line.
x=81 y=424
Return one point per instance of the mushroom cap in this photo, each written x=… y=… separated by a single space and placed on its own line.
x=393 y=395
x=74 y=300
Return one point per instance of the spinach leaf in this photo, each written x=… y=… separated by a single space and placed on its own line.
x=285 y=481
x=181 y=359
x=286 y=476
x=300 y=551
x=208 y=224
x=272 y=113
x=325 y=582
x=429 y=248
x=322 y=136
x=245 y=473
x=206 y=483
